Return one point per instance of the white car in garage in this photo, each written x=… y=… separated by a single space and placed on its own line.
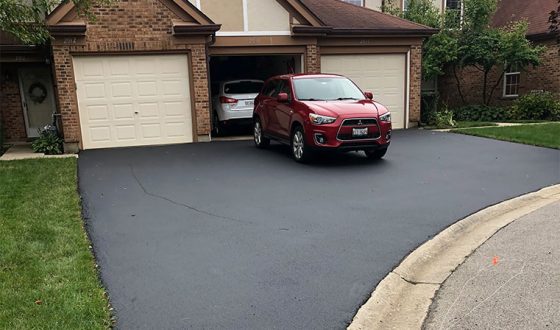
x=233 y=101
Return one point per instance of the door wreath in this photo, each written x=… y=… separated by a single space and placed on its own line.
x=37 y=92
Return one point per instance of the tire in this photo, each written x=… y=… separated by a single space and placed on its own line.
x=375 y=154
x=216 y=126
x=258 y=137
x=300 y=151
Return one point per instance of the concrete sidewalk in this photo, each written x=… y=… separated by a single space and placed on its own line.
x=512 y=281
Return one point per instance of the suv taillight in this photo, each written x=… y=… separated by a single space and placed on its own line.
x=224 y=99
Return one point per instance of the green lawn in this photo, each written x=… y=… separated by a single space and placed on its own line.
x=544 y=135
x=47 y=274
x=466 y=124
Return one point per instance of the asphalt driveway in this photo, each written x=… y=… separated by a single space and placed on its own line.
x=225 y=236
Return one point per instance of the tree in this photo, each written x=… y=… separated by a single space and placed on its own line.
x=469 y=41
x=554 y=21
x=25 y=19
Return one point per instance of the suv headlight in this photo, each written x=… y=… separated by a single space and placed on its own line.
x=320 y=120
x=386 y=117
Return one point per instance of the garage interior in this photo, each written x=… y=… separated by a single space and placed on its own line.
x=262 y=67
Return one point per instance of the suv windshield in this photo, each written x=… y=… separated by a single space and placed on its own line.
x=326 y=89
x=243 y=87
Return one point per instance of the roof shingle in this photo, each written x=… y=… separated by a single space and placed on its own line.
x=343 y=16
x=536 y=13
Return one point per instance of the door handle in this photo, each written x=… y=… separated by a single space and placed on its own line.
x=135 y=112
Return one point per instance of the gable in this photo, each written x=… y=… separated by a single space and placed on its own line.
x=257 y=17
x=138 y=18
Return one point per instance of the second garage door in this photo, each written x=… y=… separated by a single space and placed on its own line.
x=133 y=100
x=382 y=74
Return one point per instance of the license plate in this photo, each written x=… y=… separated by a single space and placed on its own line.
x=250 y=103
x=359 y=132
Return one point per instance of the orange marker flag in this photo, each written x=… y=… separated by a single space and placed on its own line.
x=495 y=260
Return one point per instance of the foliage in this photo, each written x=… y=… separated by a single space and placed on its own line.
x=470 y=41
x=48 y=143
x=442 y=119
x=544 y=135
x=47 y=274
x=483 y=113
x=554 y=21
x=537 y=105
x=26 y=19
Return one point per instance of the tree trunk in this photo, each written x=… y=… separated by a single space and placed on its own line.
x=495 y=86
x=484 y=87
x=458 y=85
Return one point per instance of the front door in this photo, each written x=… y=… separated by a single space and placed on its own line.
x=37 y=94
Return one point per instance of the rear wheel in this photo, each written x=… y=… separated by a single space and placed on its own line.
x=300 y=150
x=375 y=154
x=216 y=126
x=260 y=140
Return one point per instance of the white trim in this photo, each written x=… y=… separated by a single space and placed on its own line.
x=506 y=74
x=24 y=105
x=245 y=16
x=407 y=106
x=197 y=4
x=252 y=33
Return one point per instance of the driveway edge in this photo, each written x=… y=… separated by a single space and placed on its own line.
x=402 y=299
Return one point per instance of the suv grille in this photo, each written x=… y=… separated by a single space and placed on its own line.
x=346 y=130
x=359 y=122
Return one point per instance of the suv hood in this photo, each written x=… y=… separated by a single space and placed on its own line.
x=337 y=108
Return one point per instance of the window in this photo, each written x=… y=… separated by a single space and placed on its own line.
x=454 y=12
x=355 y=2
x=511 y=81
x=405 y=5
x=243 y=87
x=326 y=89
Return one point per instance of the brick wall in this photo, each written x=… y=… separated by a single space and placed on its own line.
x=312 y=59
x=415 y=84
x=128 y=27
x=543 y=77
x=11 y=109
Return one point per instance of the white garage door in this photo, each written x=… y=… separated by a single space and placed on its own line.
x=133 y=100
x=382 y=74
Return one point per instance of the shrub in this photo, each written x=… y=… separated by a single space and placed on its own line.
x=537 y=106
x=442 y=119
x=48 y=142
x=482 y=113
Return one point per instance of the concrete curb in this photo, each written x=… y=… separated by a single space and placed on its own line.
x=402 y=299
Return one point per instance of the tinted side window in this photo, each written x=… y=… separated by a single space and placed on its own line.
x=285 y=88
x=270 y=88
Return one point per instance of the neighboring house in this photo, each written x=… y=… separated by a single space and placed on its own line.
x=517 y=82
x=140 y=73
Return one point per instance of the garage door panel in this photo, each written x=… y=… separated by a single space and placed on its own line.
x=98 y=112
x=382 y=74
x=175 y=129
x=100 y=133
x=121 y=89
x=133 y=103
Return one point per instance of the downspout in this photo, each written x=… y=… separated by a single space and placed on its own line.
x=207 y=45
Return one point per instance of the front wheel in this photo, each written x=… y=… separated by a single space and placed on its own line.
x=260 y=140
x=300 y=150
x=375 y=154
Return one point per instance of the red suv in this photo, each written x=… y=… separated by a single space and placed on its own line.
x=313 y=112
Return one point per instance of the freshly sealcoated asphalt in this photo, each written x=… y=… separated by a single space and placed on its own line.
x=225 y=236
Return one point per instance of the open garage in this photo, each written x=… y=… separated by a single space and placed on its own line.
x=230 y=114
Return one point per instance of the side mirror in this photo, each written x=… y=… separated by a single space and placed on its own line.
x=368 y=95
x=282 y=98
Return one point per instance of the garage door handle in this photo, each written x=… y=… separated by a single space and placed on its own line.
x=136 y=112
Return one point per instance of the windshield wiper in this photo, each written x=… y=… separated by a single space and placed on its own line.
x=310 y=99
x=346 y=98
